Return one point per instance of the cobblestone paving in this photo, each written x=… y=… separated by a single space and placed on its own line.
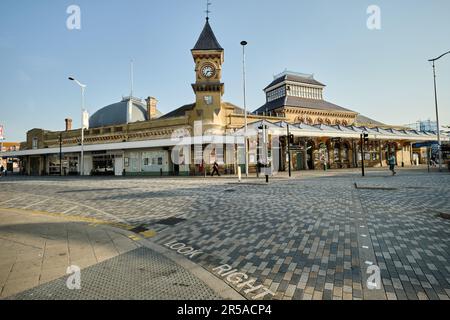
x=311 y=237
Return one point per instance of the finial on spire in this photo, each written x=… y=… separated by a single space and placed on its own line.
x=207 y=9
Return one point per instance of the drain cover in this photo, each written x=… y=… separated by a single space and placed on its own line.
x=444 y=215
x=139 y=229
x=170 y=221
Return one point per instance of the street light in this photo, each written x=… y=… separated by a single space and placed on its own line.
x=82 y=86
x=437 y=110
x=243 y=44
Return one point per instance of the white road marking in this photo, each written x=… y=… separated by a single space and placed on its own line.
x=12 y=199
x=68 y=210
x=35 y=203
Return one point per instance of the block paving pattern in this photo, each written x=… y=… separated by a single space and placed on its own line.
x=305 y=238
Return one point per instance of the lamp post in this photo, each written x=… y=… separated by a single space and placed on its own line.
x=243 y=44
x=437 y=110
x=83 y=87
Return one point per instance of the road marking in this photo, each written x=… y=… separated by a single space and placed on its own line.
x=183 y=249
x=68 y=210
x=95 y=221
x=12 y=199
x=148 y=234
x=241 y=280
x=109 y=215
x=33 y=204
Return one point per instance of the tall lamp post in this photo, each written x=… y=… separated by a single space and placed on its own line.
x=83 y=87
x=243 y=44
x=437 y=110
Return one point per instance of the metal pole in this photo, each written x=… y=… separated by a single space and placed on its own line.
x=362 y=154
x=266 y=153
x=244 y=43
x=258 y=156
x=288 y=140
x=60 y=155
x=437 y=119
x=82 y=132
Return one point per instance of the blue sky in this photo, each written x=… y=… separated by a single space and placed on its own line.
x=383 y=74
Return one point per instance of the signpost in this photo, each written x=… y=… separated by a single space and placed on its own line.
x=364 y=138
x=289 y=140
x=265 y=151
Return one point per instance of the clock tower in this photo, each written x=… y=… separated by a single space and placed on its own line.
x=208 y=57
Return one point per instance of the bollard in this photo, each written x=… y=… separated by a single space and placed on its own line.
x=239 y=173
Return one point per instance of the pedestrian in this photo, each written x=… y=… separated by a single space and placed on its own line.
x=2 y=168
x=215 y=169
x=391 y=162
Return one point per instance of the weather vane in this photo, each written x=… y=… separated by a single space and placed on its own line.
x=207 y=9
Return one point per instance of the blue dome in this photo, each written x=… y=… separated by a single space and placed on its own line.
x=116 y=113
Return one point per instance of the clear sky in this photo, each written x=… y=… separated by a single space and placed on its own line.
x=383 y=74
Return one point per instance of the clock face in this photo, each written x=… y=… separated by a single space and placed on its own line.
x=208 y=71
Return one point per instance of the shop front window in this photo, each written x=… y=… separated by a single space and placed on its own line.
x=345 y=153
x=336 y=152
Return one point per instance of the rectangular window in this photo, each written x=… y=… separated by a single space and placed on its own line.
x=35 y=143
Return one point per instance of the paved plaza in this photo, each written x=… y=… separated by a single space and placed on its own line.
x=312 y=236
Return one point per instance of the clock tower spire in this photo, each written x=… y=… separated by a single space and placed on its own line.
x=208 y=57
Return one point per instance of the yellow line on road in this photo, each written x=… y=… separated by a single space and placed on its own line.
x=148 y=234
x=135 y=238
x=92 y=221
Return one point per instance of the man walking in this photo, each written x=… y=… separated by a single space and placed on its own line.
x=391 y=162
x=215 y=169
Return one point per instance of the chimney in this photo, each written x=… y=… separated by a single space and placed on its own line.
x=151 y=107
x=68 y=124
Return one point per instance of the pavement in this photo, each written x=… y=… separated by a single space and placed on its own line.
x=313 y=236
x=36 y=250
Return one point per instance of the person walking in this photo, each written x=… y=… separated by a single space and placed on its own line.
x=391 y=162
x=2 y=168
x=215 y=169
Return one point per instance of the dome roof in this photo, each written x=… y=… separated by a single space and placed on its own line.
x=116 y=113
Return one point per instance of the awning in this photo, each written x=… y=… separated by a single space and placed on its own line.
x=211 y=139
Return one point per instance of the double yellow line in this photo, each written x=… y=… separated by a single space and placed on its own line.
x=92 y=222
